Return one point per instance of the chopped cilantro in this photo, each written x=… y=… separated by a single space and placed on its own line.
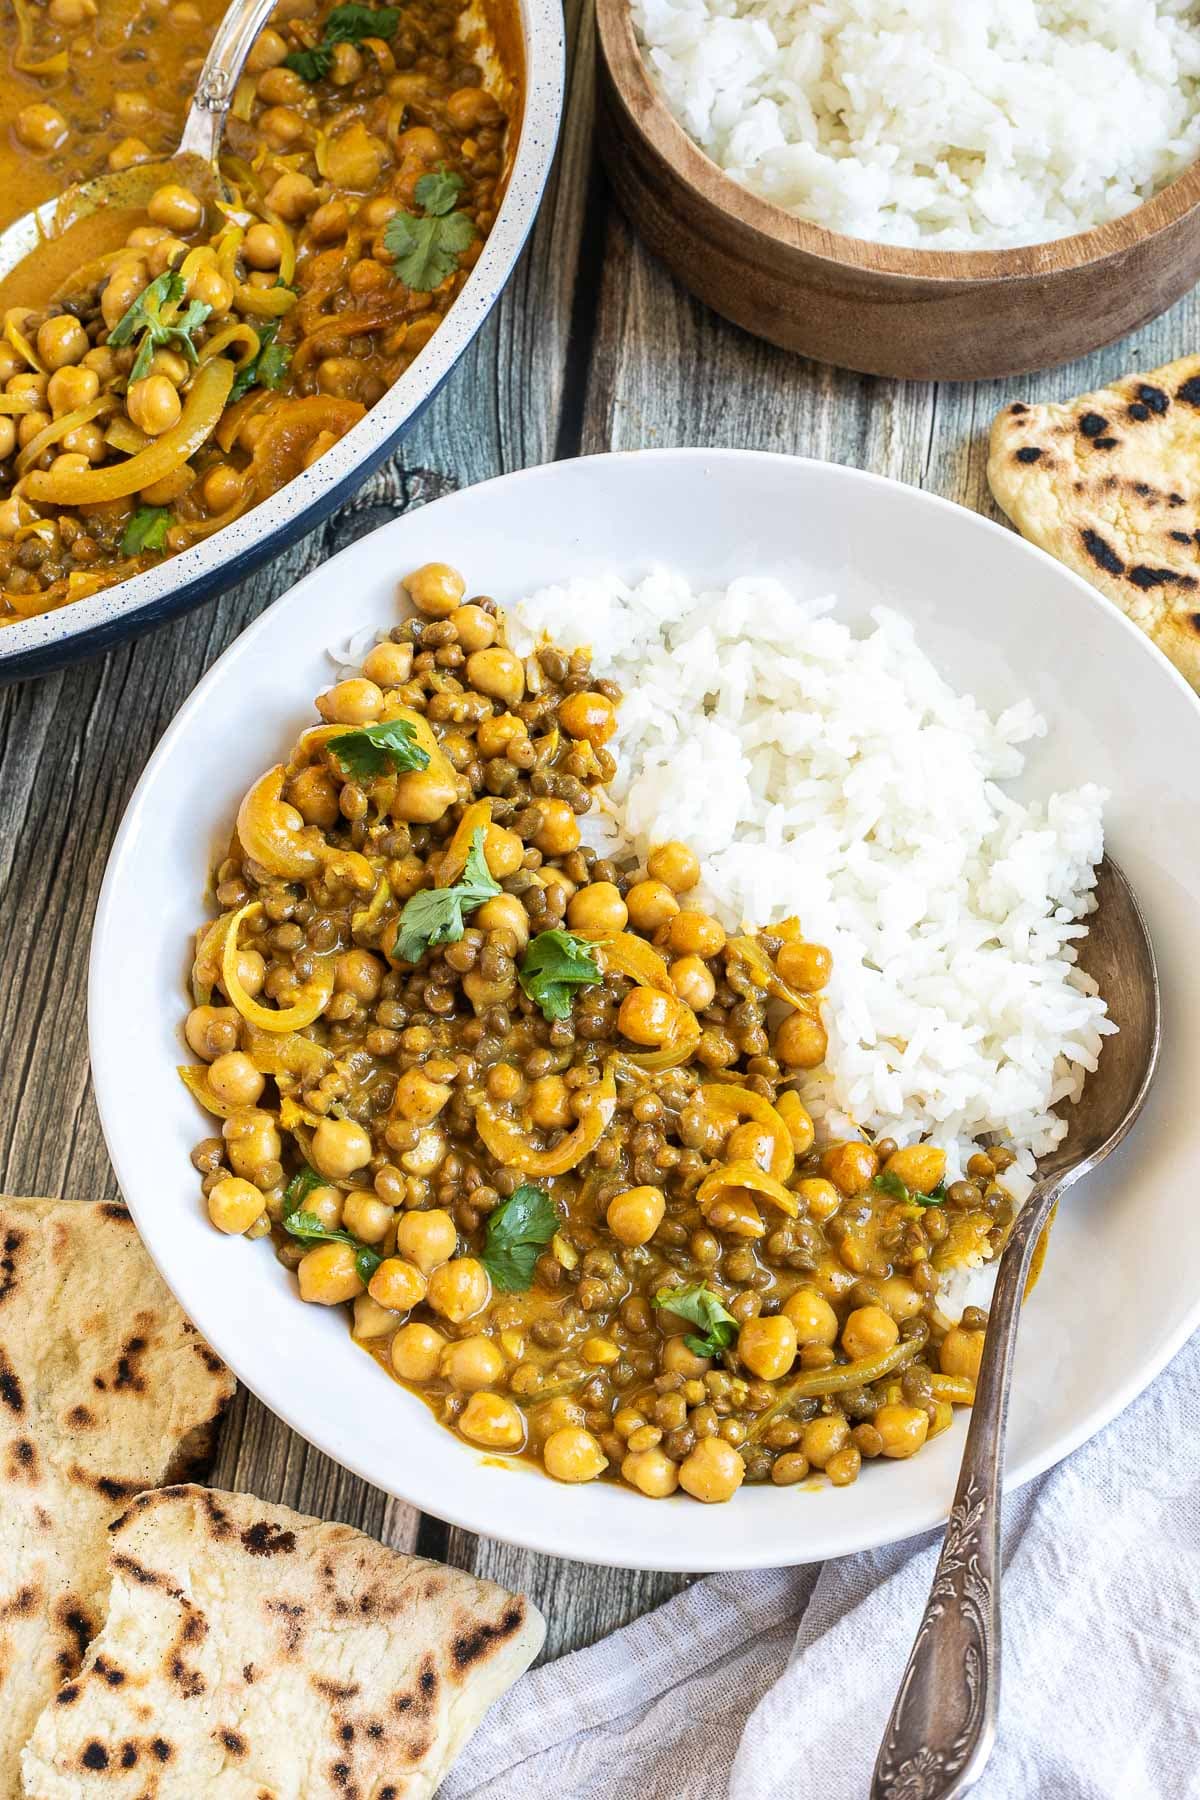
x=517 y=1232
x=426 y=250
x=435 y=915
x=269 y=368
x=700 y=1306
x=389 y=748
x=146 y=530
x=555 y=963
x=159 y=333
x=345 y=25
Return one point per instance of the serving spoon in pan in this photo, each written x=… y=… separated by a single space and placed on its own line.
x=57 y=229
x=943 y=1723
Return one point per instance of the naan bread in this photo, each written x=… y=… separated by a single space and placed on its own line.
x=105 y=1389
x=1110 y=485
x=254 y=1654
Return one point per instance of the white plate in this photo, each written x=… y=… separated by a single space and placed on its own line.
x=1121 y=1290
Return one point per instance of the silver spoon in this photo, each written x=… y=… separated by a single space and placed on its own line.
x=193 y=165
x=943 y=1723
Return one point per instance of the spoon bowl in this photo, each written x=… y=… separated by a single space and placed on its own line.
x=943 y=1723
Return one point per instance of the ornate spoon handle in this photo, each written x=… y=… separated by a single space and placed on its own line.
x=943 y=1723
x=234 y=39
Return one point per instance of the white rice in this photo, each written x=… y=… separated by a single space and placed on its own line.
x=953 y=124
x=841 y=779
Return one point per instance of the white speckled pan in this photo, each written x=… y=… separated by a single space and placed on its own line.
x=32 y=646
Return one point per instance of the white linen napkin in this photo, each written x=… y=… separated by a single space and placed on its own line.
x=779 y=1682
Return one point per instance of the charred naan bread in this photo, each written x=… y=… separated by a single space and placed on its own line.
x=254 y=1654
x=1110 y=485
x=105 y=1389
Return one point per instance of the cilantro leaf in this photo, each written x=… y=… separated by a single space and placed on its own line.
x=555 y=963
x=146 y=316
x=435 y=915
x=438 y=192
x=700 y=1306
x=888 y=1182
x=345 y=25
x=299 y=1188
x=517 y=1232
x=146 y=530
x=384 y=749
x=426 y=250
x=934 y=1197
x=308 y=1229
x=269 y=368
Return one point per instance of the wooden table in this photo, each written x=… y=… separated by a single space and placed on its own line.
x=592 y=348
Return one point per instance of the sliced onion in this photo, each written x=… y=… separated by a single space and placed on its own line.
x=746 y=1104
x=747 y=1174
x=314 y=996
x=512 y=1149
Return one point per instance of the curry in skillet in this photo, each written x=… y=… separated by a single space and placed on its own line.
x=174 y=380
x=528 y=1112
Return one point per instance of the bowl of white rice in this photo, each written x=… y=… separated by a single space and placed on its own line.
x=859 y=703
x=916 y=188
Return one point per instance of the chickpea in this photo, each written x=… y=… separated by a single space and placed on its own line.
x=427 y=1154
x=269 y=50
x=919 y=1166
x=370 y=1319
x=339 y=1147
x=495 y=734
x=559 y=834
x=823 y=1437
x=493 y=1422
x=177 y=208
x=61 y=341
x=435 y=589
x=427 y=1239
x=213 y=289
x=41 y=126
x=329 y=1275
x=417 y=1352
x=71 y=14
x=634 y=1216
x=899 y=1297
x=961 y=1353
x=476 y=629
x=549 y=1103
x=503 y=850
x=647 y=1017
x=572 y=1454
x=679 y=1359
x=122 y=289
x=598 y=908
x=359 y=973
x=103 y=361
x=128 y=153
x=423 y=796
x=589 y=716
x=222 y=488
x=675 y=865
x=353 y=702
x=282 y=126
x=86 y=439
x=293 y=196
x=498 y=674
x=263 y=246
x=819 y=1196
x=397 y=1284
x=154 y=405
x=693 y=982
x=252 y=1141
x=130 y=106
x=695 y=934
x=418 y=1099
x=768 y=1346
x=651 y=1472
x=750 y=1142
x=70 y=462
x=844 y=1466
x=71 y=387
x=8 y=442
x=504 y=913
x=210 y=1030
x=736 y=1215
x=234 y=1079
x=651 y=904
x=459 y=1289
x=388 y=664
x=903 y=1429
x=330 y=222
x=805 y=967
x=867 y=1331
x=314 y=794
x=713 y=1471
x=233 y=1204
x=468 y=108
x=29 y=425
x=801 y=1042
x=366 y=1216
x=472 y=1363
x=814 y=1319
x=851 y=1167
x=325 y=1205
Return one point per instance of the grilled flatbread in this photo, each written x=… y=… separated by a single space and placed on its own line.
x=105 y=1389
x=1110 y=485
x=255 y=1654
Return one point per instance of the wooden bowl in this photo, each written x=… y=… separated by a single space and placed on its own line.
x=881 y=308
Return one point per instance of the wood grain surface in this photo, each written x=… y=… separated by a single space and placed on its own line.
x=593 y=347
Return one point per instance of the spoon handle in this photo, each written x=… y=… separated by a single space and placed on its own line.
x=227 y=53
x=943 y=1722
